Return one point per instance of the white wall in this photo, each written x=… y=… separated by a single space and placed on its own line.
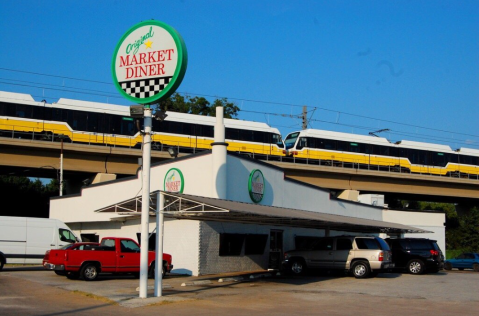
x=430 y=221
x=196 y=172
x=290 y=194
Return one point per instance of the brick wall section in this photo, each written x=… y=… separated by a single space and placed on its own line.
x=209 y=260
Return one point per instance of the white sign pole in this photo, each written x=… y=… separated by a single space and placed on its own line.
x=145 y=204
x=160 y=203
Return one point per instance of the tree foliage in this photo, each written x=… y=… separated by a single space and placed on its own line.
x=26 y=198
x=198 y=105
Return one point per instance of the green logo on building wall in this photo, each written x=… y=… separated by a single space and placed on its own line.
x=174 y=181
x=256 y=186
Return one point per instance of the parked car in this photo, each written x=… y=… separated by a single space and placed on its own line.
x=67 y=248
x=416 y=255
x=467 y=260
x=362 y=256
x=24 y=240
x=113 y=255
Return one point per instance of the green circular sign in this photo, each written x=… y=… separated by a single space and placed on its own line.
x=256 y=185
x=149 y=62
x=174 y=181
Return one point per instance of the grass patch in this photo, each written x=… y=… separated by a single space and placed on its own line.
x=96 y=297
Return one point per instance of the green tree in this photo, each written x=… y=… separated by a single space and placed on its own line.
x=24 y=197
x=198 y=105
x=469 y=231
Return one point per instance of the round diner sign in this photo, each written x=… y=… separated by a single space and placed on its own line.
x=256 y=186
x=149 y=62
x=174 y=181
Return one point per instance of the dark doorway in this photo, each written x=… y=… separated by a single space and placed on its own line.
x=275 y=249
x=90 y=238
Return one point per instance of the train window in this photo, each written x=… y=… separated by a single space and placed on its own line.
x=8 y=109
x=393 y=151
x=303 y=142
x=23 y=110
x=104 y=123
x=175 y=128
x=115 y=124
x=65 y=116
x=452 y=158
x=342 y=146
x=188 y=129
x=93 y=122
x=383 y=150
x=56 y=114
x=439 y=159
x=245 y=135
x=38 y=112
x=327 y=144
x=354 y=147
x=128 y=126
x=231 y=133
x=79 y=120
x=312 y=142
x=259 y=137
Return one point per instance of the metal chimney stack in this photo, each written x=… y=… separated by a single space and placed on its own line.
x=219 y=157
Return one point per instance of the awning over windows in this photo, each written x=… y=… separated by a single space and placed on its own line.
x=184 y=206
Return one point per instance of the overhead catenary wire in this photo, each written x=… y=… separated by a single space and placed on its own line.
x=107 y=94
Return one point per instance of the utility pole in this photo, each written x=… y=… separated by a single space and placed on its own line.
x=305 y=117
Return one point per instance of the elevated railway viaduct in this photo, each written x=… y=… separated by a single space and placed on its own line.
x=33 y=158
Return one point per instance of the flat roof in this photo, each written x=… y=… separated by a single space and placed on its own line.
x=184 y=206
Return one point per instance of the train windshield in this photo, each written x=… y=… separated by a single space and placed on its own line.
x=290 y=140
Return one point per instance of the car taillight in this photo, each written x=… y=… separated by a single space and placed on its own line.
x=381 y=256
x=434 y=252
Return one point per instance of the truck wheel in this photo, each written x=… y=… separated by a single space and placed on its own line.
x=298 y=267
x=448 y=266
x=361 y=269
x=475 y=267
x=415 y=266
x=89 y=272
x=2 y=263
x=151 y=273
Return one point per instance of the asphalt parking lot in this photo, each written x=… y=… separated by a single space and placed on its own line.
x=34 y=291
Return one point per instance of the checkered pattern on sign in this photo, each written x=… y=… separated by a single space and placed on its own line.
x=145 y=88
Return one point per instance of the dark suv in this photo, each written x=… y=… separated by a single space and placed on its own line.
x=416 y=255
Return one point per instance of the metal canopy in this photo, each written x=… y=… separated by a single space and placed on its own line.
x=184 y=206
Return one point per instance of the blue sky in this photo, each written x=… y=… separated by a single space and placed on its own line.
x=359 y=66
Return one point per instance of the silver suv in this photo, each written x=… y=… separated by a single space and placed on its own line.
x=363 y=256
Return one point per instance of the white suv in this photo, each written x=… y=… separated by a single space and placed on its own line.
x=363 y=256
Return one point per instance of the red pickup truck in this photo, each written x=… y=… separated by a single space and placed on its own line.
x=112 y=255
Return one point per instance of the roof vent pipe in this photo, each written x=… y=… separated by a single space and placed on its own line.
x=219 y=157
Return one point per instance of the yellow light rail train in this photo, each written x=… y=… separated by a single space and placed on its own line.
x=376 y=153
x=111 y=125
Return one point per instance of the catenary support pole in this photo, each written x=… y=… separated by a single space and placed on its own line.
x=160 y=202
x=61 y=167
x=145 y=204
